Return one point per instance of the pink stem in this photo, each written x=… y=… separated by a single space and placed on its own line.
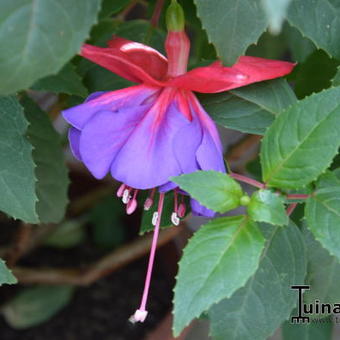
x=157 y=13
x=248 y=180
x=297 y=196
x=152 y=253
x=291 y=208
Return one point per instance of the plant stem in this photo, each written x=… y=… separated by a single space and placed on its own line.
x=104 y=266
x=248 y=180
x=297 y=196
x=157 y=13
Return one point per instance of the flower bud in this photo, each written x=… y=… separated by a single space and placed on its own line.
x=175 y=17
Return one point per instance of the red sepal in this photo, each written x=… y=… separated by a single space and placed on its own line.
x=218 y=78
x=131 y=60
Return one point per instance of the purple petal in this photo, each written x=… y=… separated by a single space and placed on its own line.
x=186 y=143
x=147 y=158
x=209 y=156
x=133 y=96
x=105 y=134
x=199 y=210
x=74 y=138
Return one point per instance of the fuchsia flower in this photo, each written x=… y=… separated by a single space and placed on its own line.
x=147 y=133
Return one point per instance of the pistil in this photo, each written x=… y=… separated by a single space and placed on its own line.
x=141 y=312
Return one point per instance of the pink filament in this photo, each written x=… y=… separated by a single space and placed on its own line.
x=152 y=254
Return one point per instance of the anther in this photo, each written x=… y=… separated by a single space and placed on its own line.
x=120 y=191
x=132 y=204
x=154 y=218
x=148 y=203
x=181 y=210
x=126 y=196
x=174 y=218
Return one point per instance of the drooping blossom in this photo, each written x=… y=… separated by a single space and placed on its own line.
x=145 y=134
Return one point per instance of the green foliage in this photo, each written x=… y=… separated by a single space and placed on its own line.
x=38 y=37
x=168 y=209
x=299 y=46
x=66 y=81
x=68 y=234
x=302 y=141
x=109 y=7
x=267 y=206
x=307 y=80
x=255 y=311
x=51 y=172
x=214 y=190
x=319 y=21
x=17 y=179
x=33 y=306
x=6 y=276
x=224 y=22
x=252 y=108
x=323 y=273
x=336 y=78
x=321 y=330
x=323 y=214
x=218 y=260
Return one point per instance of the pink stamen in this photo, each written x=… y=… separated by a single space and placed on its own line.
x=181 y=210
x=175 y=201
x=132 y=204
x=120 y=191
x=141 y=312
x=149 y=201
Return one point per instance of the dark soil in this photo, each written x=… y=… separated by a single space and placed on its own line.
x=101 y=311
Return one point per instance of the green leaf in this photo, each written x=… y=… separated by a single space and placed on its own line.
x=336 y=78
x=251 y=108
x=302 y=141
x=68 y=234
x=66 y=81
x=6 y=276
x=33 y=306
x=319 y=330
x=255 y=311
x=268 y=46
x=300 y=47
x=318 y=20
x=51 y=172
x=38 y=37
x=267 y=206
x=276 y=13
x=110 y=7
x=224 y=22
x=323 y=273
x=307 y=81
x=17 y=178
x=218 y=260
x=214 y=190
x=323 y=214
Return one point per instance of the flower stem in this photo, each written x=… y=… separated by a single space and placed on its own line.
x=247 y=180
x=157 y=13
x=297 y=196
